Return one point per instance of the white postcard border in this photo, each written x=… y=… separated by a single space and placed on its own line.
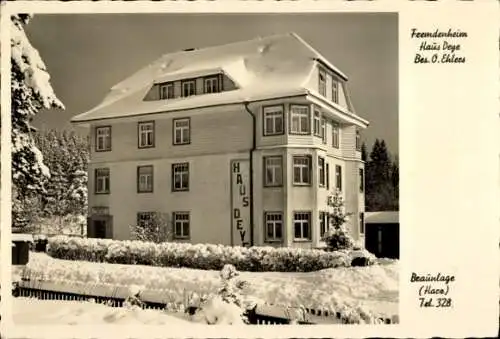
x=478 y=17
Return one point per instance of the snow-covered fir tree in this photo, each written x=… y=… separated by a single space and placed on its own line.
x=337 y=236
x=66 y=155
x=228 y=306
x=30 y=92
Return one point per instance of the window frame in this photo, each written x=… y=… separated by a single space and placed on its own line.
x=323 y=223
x=211 y=78
x=139 y=190
x=361 y=178
x=96 y=176
x=338 y=177
x=309 y=231
x=362 y=225
x=188 y=81
x=139 y=134
x=336 y=135
x=182 y=221
x=335 y=89
x=324 y=136
x=167 y=85
x=175 y=128
x=105 y=149
x=322 y=83
x=150 y=214
x=317 y=123
x=300 y=116
x=271 y=109
x=358 y=140
x=327 y=170
x=281 y=170
x=321 y=172
x=174 y=166
x=309 y=169
x=274 y=223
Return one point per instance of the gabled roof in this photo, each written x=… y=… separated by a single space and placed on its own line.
x=263 y=68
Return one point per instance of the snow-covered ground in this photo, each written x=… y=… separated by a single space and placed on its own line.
x=28 y=311
x=373 y=288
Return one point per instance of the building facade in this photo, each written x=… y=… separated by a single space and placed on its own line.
x=239 y=144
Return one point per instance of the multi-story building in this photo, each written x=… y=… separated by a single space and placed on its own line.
x=236 y=144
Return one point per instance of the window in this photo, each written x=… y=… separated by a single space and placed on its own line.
x=102 y=182
x=335 y=135
x=180 y=177
x=358 y=140
x=300 y=119
x=327 y=176
x=273 y=120
x=338 y=177
x=321 y=174
x=167 y=91
x=317 y=124
x=335 y=91
x=103 y=138
x=302 y=225
x=361 y=223
x=188 y=88
x=361 y=180
x=146 y=134
x=181 y=225
x=323 y=130
x=145 y=219
x=273 y=171
x=322 y=82
x=302 y=170
x=323 y=224
x=182 y=129
x=145 y=179
x=274 y=226
x=212 y=85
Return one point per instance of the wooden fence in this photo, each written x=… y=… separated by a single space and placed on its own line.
x=160 y=300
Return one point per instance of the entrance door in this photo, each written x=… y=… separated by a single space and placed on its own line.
x=100 y=226
x=100 y=229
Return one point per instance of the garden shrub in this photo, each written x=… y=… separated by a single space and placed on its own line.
x=197 y=256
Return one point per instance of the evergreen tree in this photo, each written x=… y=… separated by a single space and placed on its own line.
x=337 y=236
x=382 y=179
x=66 y=155
x=395 y=183
x=30 y=92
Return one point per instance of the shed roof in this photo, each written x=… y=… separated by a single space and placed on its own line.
x=382 y=217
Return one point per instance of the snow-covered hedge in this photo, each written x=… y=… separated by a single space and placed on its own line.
x=199 y=256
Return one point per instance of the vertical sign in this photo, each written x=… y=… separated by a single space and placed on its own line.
x=240 y=202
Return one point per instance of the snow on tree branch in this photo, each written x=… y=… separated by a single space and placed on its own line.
x=30 y=64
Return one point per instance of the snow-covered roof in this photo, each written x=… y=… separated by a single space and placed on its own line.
x=263 y=68
x=382 y=217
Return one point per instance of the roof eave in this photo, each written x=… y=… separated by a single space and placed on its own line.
x=348 y=116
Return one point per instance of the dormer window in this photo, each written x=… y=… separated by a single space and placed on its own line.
x=167 y=91
x=188 y=88
x=211 y=84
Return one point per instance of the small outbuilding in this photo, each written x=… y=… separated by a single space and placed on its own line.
x=20 y=248
x=382 y=233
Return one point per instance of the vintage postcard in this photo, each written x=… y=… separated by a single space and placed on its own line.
x=250 y=169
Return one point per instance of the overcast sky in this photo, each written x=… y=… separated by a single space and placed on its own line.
x=87 y=54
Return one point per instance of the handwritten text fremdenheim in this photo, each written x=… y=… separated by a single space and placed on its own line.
x=439 y=46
